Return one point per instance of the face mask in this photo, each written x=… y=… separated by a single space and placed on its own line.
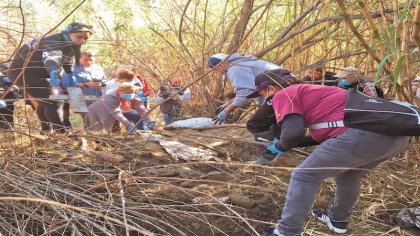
x=128 y=96
x=344 y=83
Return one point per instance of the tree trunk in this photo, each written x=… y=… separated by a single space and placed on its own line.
x=238 y=34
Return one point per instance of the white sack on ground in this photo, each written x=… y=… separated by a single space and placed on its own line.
x=179 y=150
x=192 y=123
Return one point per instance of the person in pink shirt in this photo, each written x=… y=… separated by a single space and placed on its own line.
x=346 y=154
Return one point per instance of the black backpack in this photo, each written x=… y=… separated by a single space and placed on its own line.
x=389 y=117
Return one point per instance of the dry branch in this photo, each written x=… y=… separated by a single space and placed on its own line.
x=416 y=21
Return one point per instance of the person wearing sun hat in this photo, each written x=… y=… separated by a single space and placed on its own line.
x=351 y=77
x=241 y=72
x=42 y=62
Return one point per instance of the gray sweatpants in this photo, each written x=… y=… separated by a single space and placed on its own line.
x=347 y=158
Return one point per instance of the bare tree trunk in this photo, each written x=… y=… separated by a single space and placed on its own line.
x=238 y=34
x=240 y=27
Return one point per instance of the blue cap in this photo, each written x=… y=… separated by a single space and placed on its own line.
x=214 y=60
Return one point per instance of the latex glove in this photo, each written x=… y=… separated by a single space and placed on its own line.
x=2 y=104
x=54 y=78
x=142 y=97
x=152 y=125
x=5 y=80
x=68 y=80
x=222 y=107
x=221 y=117
x=272 y=148
x=132 y=130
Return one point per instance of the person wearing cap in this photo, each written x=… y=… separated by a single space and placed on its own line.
x=263 y=124
x=351 y=77
x=314 y=76
x=346 y=154
x=38 y=65
x=241 y=72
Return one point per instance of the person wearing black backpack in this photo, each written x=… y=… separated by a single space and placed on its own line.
x=346 y=154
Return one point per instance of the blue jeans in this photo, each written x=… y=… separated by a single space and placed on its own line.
x=347 y=158
x=134 y=117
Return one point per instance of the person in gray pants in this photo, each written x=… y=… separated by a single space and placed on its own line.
x=345 y=154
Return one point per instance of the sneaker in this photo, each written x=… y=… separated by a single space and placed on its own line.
x=339 y=227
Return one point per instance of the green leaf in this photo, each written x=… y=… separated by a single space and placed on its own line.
x=397 y=69
x=381 y=65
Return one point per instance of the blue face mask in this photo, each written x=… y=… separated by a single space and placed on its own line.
x=128 y=96
x=344 y=83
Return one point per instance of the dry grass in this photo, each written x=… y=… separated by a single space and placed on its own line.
x=50 y=187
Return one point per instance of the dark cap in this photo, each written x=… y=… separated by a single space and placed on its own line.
x=78 y=27
x=280 y=77
x=215 y=59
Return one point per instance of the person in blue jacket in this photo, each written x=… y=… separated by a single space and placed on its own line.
x=38 y=65
x=241 y=72
x=90 y=77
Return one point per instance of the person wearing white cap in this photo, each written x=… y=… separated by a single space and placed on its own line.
x=352 y=78
x=241 y=72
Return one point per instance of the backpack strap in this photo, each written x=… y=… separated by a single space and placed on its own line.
x=329 y=124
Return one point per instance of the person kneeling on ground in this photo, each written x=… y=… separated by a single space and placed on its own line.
x=346 y=154
x=103 y=113
x=128 y=76
x=171 y=108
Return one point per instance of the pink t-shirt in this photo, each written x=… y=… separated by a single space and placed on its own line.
x=316 y=103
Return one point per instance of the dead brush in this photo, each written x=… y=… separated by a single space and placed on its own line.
x=62 y=189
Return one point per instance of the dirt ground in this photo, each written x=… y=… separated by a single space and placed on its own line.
x=128 y=179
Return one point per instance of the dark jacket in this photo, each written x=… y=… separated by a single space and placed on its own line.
x=53 y=52
x=329 y=79
x=263 y=118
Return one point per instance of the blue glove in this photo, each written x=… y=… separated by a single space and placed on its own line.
x=132 y=130
x=272 y=148
x=152 y=125
x=68 y=80
x=2 y=104
x=5 y=80
x=54 y=78
x=221 y=117
x=142 y=97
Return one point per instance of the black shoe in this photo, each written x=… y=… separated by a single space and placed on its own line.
x=266 y=158
x=339 y=227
